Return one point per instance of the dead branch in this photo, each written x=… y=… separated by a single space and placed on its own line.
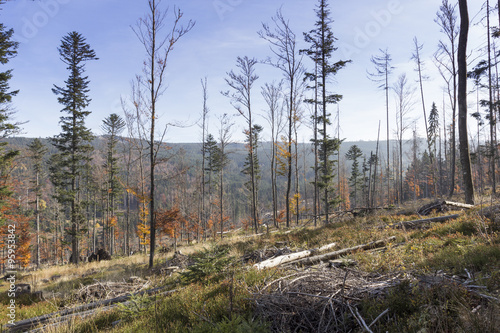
x=313 y=300
x=85 y=309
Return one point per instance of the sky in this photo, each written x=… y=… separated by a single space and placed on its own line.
x=224 y=30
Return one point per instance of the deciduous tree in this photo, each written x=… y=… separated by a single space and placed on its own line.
x=149 y=30
x=37 y=151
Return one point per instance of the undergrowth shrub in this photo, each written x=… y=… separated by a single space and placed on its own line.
x=235 y=325
x=475 y=257
x=210 y=265
x=135 y=306
x=443 y=307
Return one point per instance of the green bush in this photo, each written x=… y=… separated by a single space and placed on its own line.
x=210 y=265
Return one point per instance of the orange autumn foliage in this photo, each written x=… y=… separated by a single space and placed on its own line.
x=169 y=221
x=17 y=225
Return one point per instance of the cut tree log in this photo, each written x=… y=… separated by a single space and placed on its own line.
x=273 y=262
x=458 y=204
x=333 y=255
x=416 y=223
x=441 y=206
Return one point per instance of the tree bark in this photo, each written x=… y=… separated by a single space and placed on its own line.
x=332 y=255
x=273 y=262
x=462 y=103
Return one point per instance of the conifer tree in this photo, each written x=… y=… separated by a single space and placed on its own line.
x=112 y=126
x=322 y=40
x=8 y=49
x=433 y=129
x=73 y=143
x=353 y=154
x=252 y=166
x=212 y=154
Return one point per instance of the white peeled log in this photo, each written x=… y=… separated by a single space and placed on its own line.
x=273 y=262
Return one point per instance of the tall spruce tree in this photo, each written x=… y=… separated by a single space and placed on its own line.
x=112 y=126
x=353 y=154
x=74 y=142
x=250 y=166
x=8 y=49
x=322 y=40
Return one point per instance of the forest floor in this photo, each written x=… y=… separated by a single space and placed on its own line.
x=426 y=277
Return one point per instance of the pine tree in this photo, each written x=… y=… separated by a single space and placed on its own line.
x=252 y=166
x=8 y=49
x=353 y=154
x=321 y=51
x=73 y=143
x=112 y=127
x=433 y=129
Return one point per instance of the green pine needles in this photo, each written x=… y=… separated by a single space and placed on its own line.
x=73 y=143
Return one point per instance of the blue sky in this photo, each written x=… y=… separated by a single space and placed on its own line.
x=224 y=30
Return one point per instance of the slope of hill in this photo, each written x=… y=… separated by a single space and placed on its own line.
x=438 y=277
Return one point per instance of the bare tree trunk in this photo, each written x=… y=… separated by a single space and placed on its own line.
x=37 y=211
x=316 y=157
x=462 y=102
x=203 y=214
x=490 y=105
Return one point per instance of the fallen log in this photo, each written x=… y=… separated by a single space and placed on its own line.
x=35 y=321
x=333 y=255
x=273 y=262
x=415 y=223
x=441 y=206
x=458 y=204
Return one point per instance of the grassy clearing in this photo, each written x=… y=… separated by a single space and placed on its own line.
x=215 y=295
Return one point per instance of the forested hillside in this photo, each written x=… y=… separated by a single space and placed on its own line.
x=274 y=216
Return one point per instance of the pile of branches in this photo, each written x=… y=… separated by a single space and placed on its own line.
x=107 y=290
x=320 y=300
x=267 y=253
x=179 y=260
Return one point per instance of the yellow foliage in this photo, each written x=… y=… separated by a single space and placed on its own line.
x=143 y=233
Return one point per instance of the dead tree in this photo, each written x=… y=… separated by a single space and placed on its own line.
x=462 y=103
x=158 y=49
